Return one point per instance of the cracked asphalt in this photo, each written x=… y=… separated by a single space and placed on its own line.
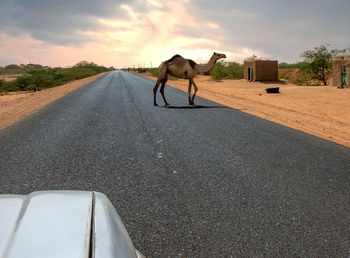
x=194 y=181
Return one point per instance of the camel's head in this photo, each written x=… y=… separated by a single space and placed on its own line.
x=218 y=56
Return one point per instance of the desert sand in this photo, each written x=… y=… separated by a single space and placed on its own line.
x=17 y=105
x=9 y=77
x=323 y=111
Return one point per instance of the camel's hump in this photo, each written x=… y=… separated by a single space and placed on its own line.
x=175 y=56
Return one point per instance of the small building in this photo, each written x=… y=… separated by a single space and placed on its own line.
x=341 y=71
x=261 y=70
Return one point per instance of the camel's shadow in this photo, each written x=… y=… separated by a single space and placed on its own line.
x=194 y=107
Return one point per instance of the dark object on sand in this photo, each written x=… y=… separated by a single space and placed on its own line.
x=273 y=90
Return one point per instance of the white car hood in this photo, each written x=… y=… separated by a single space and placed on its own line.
x=61 y=224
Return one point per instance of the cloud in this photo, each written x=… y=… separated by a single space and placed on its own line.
x=142 y=30
x=25 y=49
x=9 y=46
x=57 y=22
x=140 y=36
x=138 y=32
x=279 y=29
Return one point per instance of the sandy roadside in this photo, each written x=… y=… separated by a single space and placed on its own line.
x=320 y=111
x=9 y=77
x=15 y=106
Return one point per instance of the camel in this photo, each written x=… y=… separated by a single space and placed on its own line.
x=183 y=68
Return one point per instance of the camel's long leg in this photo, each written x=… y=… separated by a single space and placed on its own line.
x=195 y=91
x=162 y=89
x=155 y=92
x=189 y=91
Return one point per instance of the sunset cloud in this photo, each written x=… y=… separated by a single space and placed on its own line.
x=144 y=32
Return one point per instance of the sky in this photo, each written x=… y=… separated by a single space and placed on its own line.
x=143 y=33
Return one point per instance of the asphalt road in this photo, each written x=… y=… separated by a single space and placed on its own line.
x=194 y=181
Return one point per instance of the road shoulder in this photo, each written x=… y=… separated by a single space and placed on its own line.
x=17 y=105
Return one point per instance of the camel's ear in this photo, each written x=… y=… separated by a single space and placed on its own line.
x=214 y=53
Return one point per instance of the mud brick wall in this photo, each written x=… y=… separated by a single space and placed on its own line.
x=249 y=64
x=338 y=63
x=263 y=70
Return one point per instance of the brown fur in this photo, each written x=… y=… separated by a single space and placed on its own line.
x=182 y=68
x=192 y=63
x=171 y=59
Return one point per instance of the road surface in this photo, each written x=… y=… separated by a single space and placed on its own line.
x=194 y=181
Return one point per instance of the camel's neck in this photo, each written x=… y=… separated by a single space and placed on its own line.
x=207 y=67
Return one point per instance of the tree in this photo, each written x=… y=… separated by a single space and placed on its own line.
x=12 y=66
x=252 y=58
x=319 y=61
x=86 y=64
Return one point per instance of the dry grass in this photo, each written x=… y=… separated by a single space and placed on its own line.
x=9 y=77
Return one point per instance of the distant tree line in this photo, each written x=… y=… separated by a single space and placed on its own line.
x=42 y=77
x=25 y=66
x=22 y=68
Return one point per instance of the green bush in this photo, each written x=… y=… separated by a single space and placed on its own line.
x=23 y=82
x=219 y=72
x=13 y=71
x=282 y=76
x=39 y=79
x=227 y=71
x=236 y=71
x=75 y=73
x=153 y=71
x=91 y=66
x=299 y=65
x=2 y=82
x=297 y=76
x=141 y=70
x=8 y=86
